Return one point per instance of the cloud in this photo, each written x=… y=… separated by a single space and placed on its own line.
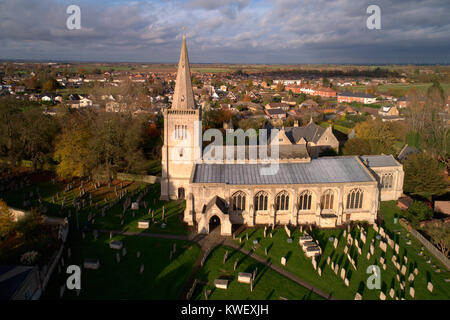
x=239 y=31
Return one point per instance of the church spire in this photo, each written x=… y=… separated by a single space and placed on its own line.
x=183 y=97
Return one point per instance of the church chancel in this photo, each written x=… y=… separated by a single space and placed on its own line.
x=326 y=192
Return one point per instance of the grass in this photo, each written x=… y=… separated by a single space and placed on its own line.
x=300 y=265
x=420 y=87
x=268 y=285
x=161 y=279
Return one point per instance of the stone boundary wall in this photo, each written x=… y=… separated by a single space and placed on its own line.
x=133 y=177
x=427 y=244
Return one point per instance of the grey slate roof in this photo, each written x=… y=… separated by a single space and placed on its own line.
x=380 y=161
x=284 y=151
x=322 y=170
x=311 y=132
x=356 y=94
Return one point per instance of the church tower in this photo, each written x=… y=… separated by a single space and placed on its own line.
x=182 y=134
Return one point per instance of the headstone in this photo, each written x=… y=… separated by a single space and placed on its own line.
x=381 y=260
x=141 y=269
x=124 y=252
x=368 y=255
x=346 y=282
x=392 y=293
x=416 y=271
x=383 y=246
x=412 y=291
x=336 y=268
x=265 y=251
x=396 y=248
x=430 y=287
x=328 y=260
x=138 y=254
x=345 y=249
x=411 y=277
x=382 y=296
x=358 y=296
x=403 y=270
x=283 y=261
x=235 y=264
x=405 y=258
x=118 y=257
x=335 y=243
x=319 y=271
x=342 y=273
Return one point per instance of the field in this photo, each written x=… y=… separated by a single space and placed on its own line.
x=268 y=285
x=385 y=88
x=161 y=279
x=301 y=266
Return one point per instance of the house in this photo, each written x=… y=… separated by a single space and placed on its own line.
x=386 y=111
x=309 y=103
x=275 y=113
x=325 y=92
x=442 y=207
x=278 y=105
x=316 y=138
x=350 y=97
x=19 y=282
x=293 y=88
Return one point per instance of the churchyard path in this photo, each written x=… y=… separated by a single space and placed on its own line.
x=208 y=242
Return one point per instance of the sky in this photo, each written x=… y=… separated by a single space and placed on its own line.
x=228 y=31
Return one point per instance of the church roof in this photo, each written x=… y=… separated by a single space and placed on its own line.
x=380 y=161
x=183 y=97
x=321 y=170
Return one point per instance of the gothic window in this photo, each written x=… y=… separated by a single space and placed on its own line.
x=304 y=202
x=355 y=199
x=282 y=201
x=261 y=199
x=238 y=201
x=386 y=181
x=327 y=199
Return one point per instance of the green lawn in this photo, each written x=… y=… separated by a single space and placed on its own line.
x=268 y=283
x=420 y=87
x=161 y=279
x=300 y=265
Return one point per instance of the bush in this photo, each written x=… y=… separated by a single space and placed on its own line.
x=417 y=212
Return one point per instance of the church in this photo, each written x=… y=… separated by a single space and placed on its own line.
x=304 y=190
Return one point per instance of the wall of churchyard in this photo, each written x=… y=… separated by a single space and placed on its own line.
x=203 y=193
x=427 y=244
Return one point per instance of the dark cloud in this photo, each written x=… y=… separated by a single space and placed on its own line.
x=240 y=31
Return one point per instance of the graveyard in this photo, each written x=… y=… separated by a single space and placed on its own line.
x=267 y=284
x=100 y=206
x=338 y=277
x=143 y=270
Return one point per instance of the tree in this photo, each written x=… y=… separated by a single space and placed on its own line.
x=6 y=220
x=423 y=176
x=325 y=82
x=280 y=87
x=50 y=85
x=439 y=231
x=72 y=150
x=417 y=212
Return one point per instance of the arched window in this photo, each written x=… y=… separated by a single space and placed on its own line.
x=238 y=201
x=261 y=199
x=282 y=201
x=304 y=202
x=386 y=181
x=355 y=199
x=327 y=199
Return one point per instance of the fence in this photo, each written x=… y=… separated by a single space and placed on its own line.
x=427 y=244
